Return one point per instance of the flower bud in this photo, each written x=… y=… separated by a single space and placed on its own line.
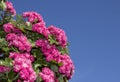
x=28 y=23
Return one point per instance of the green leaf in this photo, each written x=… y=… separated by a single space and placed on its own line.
x=3 y=43
x=13 y=22
x=59 y=48
x=14 y=49
x=21 y=24
x=37 y=70
x=7 y=62
x=10 y=80
x=52 y=39
x=60 y=78
x=19 y=19
x=43 y=62
x=6 y=49
x=36 y=52
x=39 y=79
x=12 y=76
x=65 y=79
x=34 y=35
x=54 y=68
x=37 y=65
x=63 y=50
x=54 y=62
x=2 y=33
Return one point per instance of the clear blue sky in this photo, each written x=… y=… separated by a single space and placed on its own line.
x=93 y=30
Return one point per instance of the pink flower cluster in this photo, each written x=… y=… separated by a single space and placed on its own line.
x=59 y=34
x=23 y=64
x=47 y=75
x=4 y=69
x=51 y=53
x=8 y=28
x=40 y=28
x=38 y=25
x=22 y=61
x=10 y=8
x=67 y=68
x=20 y=41
x=33 y=17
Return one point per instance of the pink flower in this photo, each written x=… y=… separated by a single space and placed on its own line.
x=59 y=34
x=10 y=8
x=47 y=75
x=20 y=41
x=40 y=28
x=4 y=69
x=28 y=75
x=23 y=65
x=18 y=80
x=24 y=74
x=67 y=68
x=38 y=25
x=8 y=28
x=50 y=51
x=33 y=17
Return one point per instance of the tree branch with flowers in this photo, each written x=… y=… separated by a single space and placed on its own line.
x=29 y=50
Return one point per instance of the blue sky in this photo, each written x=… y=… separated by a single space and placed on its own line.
x=93 y=30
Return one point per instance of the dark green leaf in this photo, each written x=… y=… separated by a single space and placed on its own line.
x=12 y=76
x=33 y=35
x=63 y=50
x=6 y=49
x=54 y=68
x=36 y=52
x=60 y=78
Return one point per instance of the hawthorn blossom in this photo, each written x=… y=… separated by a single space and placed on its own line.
x=20 y=41
x=50 y=51
x=22 y=64
x=33 y=17
x=4 y=69
x=59 y=34
x=47 y=75
x=8 y=28
x=40 y=28
x=67 y=67
x=10 y=8
x=38 y=25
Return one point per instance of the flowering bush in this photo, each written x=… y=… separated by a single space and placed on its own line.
x=29 y=50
